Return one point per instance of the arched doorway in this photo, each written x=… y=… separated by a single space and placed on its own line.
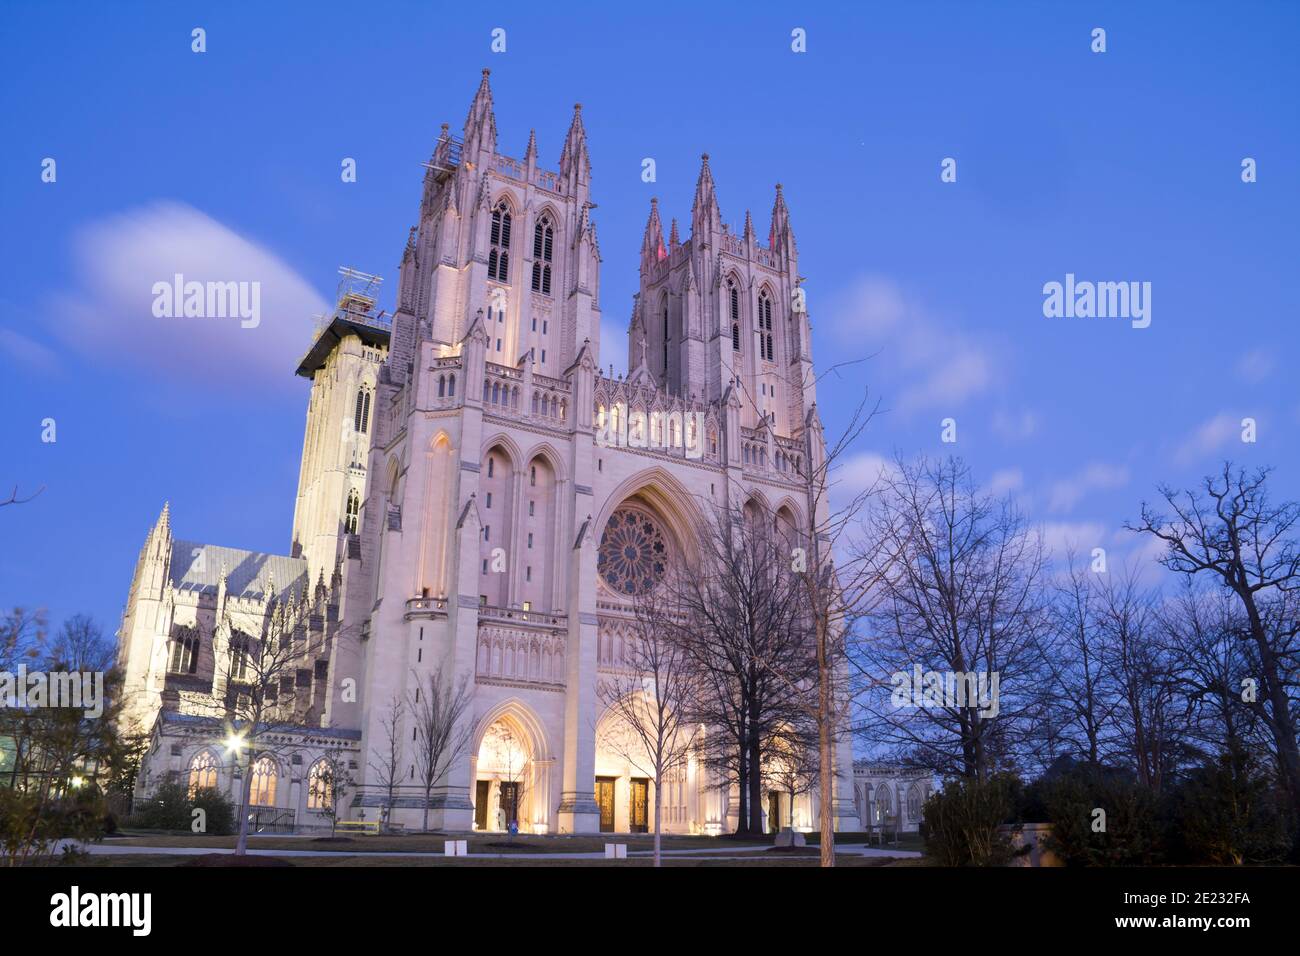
x=511 y=772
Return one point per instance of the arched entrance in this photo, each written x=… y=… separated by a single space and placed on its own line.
x=511 y=772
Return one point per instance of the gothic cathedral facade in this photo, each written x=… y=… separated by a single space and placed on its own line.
x=469 y=501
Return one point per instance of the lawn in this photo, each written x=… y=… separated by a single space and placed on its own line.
x=433 y=842
x=344 y=860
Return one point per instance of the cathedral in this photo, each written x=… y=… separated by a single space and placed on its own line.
x=477 y=496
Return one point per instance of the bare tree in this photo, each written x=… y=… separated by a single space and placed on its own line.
x=442 y=732
x=1145 y=688
x=1230 y=531
x=651 y=697
x=329 y=785
x=836 y=575
x=63 y=753
x=741 y=623
x=959 y=601
x=13 y=498
x=386 y=762
x=263 y=672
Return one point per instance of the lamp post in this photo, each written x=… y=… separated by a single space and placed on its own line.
x=235 y=742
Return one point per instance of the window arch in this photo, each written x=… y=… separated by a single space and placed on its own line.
x=765 y=326
x=185 y=651
x=350 y=518
x=320 y=786
x=665 y=337
x=543 y=249
x=264 y=779
x=361 y=414
x=203 y=772
x=733 y=309
x=240 y=647
x=499 y=244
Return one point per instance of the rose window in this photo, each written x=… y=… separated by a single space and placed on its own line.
x=633 y=553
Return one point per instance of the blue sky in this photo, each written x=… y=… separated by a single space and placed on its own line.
x=1120 y=166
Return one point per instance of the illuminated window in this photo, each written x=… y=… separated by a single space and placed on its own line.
x=203 y=772
x=320 y=786
x=263 y=792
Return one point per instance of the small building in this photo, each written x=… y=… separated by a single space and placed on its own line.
x=890 y=795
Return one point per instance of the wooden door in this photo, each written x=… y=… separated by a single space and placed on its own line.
x=605 y=800
x=481 y=792
x=639 y=808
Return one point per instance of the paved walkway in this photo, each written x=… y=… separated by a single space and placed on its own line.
x=703 y=853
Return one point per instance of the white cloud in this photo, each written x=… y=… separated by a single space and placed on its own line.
x=110 y=314
x=1208 y=437
x=1255 y=366
x=937 y=367
x=1060 y=537
x=1015 y=427
x=1005 y=481
x=858 y=473
x=1065 y=494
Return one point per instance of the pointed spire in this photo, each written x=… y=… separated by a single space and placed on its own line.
x=164 y=522
x=749 y=227
x=705 y=215
x=652 y=244
x=530 y=154
x=409 y=252
x=574 y=158
x=673 y=240
x=481 y=124
x=780 y=235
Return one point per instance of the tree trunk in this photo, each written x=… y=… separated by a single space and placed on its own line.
x=659 y=805
x=241 y=846
x=825 y=768
x=425 y=825
x=755 y=784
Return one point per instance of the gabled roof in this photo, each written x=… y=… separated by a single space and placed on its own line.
x=197 y=567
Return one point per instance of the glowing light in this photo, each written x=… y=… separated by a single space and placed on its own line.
x=234 y=742
x=77 y=782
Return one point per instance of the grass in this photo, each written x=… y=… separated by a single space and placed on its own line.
x=433 y=842
x=344 y=860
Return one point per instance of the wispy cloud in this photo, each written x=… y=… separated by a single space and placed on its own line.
x=1005 y=481
x=27 y=352
x=937 y=367
x=1255 y=366
x=1208 y=437
x=1098 y=476
x=109 y=316
x=1015 y=426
